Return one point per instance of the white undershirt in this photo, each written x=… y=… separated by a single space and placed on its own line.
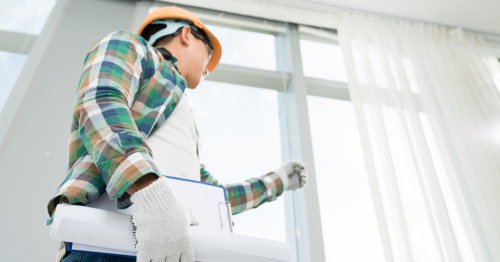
x=175 y=142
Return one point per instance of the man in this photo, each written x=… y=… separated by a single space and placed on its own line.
x=124 y=107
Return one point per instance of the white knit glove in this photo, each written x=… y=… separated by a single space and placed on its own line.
x=293 y=174
x=161 y=224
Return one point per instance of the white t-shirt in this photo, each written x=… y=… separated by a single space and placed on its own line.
x=175 y=142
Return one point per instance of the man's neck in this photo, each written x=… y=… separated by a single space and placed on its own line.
x=170 y=56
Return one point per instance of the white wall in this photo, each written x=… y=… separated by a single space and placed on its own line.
x=33 y=155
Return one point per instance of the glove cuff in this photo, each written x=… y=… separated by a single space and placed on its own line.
x=158 y=194
x=283 y=175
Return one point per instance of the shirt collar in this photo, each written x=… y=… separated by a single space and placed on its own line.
x=168 y=56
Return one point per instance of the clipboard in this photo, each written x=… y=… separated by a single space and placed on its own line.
x=209 y=202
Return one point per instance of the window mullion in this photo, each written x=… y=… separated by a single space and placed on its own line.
x=303 y=220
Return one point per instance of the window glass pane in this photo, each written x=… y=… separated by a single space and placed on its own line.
x=11 y=65
x=25 y=16
x=348 y=218
x=240 y=139
x=245 y=48
x=321 y=60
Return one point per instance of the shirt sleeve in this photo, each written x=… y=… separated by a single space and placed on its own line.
x=249 y=194
x=111 y=78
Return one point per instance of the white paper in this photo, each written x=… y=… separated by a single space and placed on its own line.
x=102 y=227
x=111 y=233
x=82 y=247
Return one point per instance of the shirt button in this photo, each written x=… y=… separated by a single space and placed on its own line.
x=183 y=82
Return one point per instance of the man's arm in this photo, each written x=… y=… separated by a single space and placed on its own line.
x=249 y=194
x=142 y=183
x=138 y=185
x=111 y=77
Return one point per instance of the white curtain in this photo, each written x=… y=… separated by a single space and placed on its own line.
x=427 y=103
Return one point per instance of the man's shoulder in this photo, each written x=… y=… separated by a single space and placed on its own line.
x=123 y=42
x=124 y=36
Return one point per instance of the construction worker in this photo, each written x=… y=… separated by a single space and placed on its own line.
x=124 y=115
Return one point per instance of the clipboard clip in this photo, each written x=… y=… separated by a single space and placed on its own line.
x=227 y=205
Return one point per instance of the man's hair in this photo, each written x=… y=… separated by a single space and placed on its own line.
x=151 y=29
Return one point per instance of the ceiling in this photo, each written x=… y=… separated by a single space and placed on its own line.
x=476 y=15
x=481 y=16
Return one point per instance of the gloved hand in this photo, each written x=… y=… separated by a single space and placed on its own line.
x=293 y=174
x=161 y=224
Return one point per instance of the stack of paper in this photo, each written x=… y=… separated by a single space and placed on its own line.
x=105 y=229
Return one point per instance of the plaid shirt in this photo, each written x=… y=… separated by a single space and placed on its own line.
x=127 y=90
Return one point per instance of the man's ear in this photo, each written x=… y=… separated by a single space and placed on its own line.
x=185 y=34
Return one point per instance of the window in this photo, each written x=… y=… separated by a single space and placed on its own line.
x=25 y=16
x=245 y=48
x=240 y=138
x=321 y=60
x=347 y=212
x=11 y=65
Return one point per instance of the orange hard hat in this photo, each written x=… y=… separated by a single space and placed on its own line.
x=180 y=13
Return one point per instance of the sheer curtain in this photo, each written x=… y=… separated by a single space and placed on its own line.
x=427 y=103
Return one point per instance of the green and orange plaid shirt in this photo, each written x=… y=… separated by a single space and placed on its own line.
x=127 y=90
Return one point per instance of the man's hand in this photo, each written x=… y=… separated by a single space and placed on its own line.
x=293 y=174
x=161 y=223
